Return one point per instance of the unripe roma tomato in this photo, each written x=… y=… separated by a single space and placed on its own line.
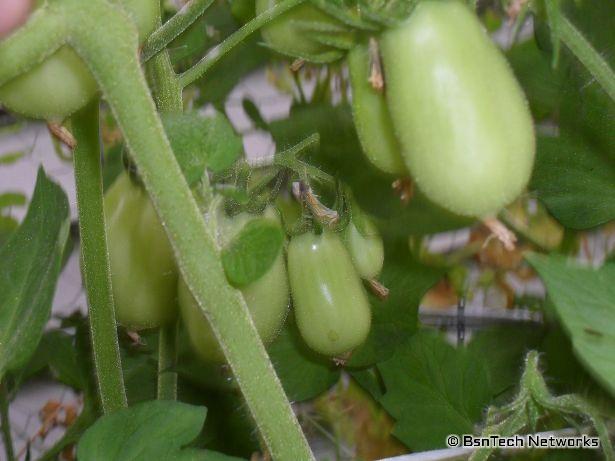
x=371 y=117
x=267 y=298
x=143 y=269
x=331 y=307
x=285 y=34
x=461 y=117
x=365 y=247
x=62 y=83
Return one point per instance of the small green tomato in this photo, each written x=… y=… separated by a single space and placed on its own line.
x=267 y=298
x=285 y=34
x=371 y=117
x=143 y=269
x=331 y=307
x=62 y=84
x=365 y=247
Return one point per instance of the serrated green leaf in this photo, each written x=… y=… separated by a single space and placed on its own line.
x=11 y=199
x=252 y=252
x=202 y=142
x=433 y=390
x=574 y=181
x=29 y=267
x=304 y=373
x=395 y=319
x=146 y=431
x=584 y=300
x=503 y=349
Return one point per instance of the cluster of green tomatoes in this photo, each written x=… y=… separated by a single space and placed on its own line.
x=323 y=272
x=433 y=99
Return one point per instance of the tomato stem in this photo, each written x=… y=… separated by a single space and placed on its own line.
x=171 y=29
x=167 y=359
x=589 y=57
x=219 y=51
x=96 y=269
x=168 y=96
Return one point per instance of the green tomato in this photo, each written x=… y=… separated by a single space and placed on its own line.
x=365 y=247
x=62 y=83
x=461 y=117
x=143 y=269
x=53 y=89
x=267 y=298
x=285 y=35
x=331 y=307
x=371 y=117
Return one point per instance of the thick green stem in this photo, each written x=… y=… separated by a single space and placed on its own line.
x=164 y=84
x=167 y=93
x=165 y=34
x=167 y=359
x=6 y=423
x=95 y=259
x=219 y=51
x=591 y=59
x=106 y=40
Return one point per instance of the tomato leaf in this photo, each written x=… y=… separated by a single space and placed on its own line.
x=584 y=300
x=202 y=142
x=502 y=350
x=303 y=372
x=252 y=252
x=433 y=390
x=574 y=181
x=30 y=263
x=149 y=430
x=395 y=319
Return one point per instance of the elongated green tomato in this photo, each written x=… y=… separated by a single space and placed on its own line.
x=461 y=117
x=371 y=116
x=285 y=34
x=331 y=308
x=143 y=270
x=365 y=247
x=267 y=298
x=62 y=84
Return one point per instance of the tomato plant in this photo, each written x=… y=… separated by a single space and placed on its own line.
x=307 y=227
